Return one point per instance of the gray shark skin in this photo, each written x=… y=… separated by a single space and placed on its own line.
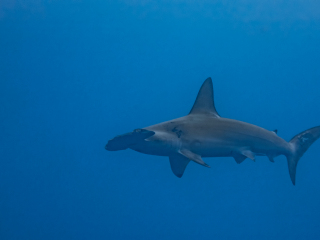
x=203 y=133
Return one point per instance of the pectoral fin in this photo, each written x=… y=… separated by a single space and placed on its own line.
x=178 y=164
x=239 y=158
x=192 y=156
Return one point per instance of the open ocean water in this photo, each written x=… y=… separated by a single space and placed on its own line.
x=73 y=74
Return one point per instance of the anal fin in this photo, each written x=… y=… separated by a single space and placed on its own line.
x=192 y=156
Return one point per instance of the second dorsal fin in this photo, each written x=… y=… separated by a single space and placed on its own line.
x=204 y=103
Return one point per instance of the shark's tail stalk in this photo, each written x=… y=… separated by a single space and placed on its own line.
x=299 y=145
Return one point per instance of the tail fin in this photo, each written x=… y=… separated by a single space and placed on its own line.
x=299 y=145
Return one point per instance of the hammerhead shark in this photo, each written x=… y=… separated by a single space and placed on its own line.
x=203 y=133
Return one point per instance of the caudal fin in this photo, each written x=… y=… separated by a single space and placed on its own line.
x=299 y=145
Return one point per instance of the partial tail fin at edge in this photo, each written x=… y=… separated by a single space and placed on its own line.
x=300 y=144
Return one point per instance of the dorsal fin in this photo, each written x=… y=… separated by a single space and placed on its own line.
x=275 y=131
x=204 y=103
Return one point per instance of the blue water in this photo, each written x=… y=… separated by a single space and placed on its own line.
x=74 y=74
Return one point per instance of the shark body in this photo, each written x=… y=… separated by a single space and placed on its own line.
x=203 y=133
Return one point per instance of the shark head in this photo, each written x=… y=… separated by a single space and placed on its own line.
x=161 y=143
x=127 y=140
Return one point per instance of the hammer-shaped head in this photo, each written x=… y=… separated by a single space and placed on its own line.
x=126 y=140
